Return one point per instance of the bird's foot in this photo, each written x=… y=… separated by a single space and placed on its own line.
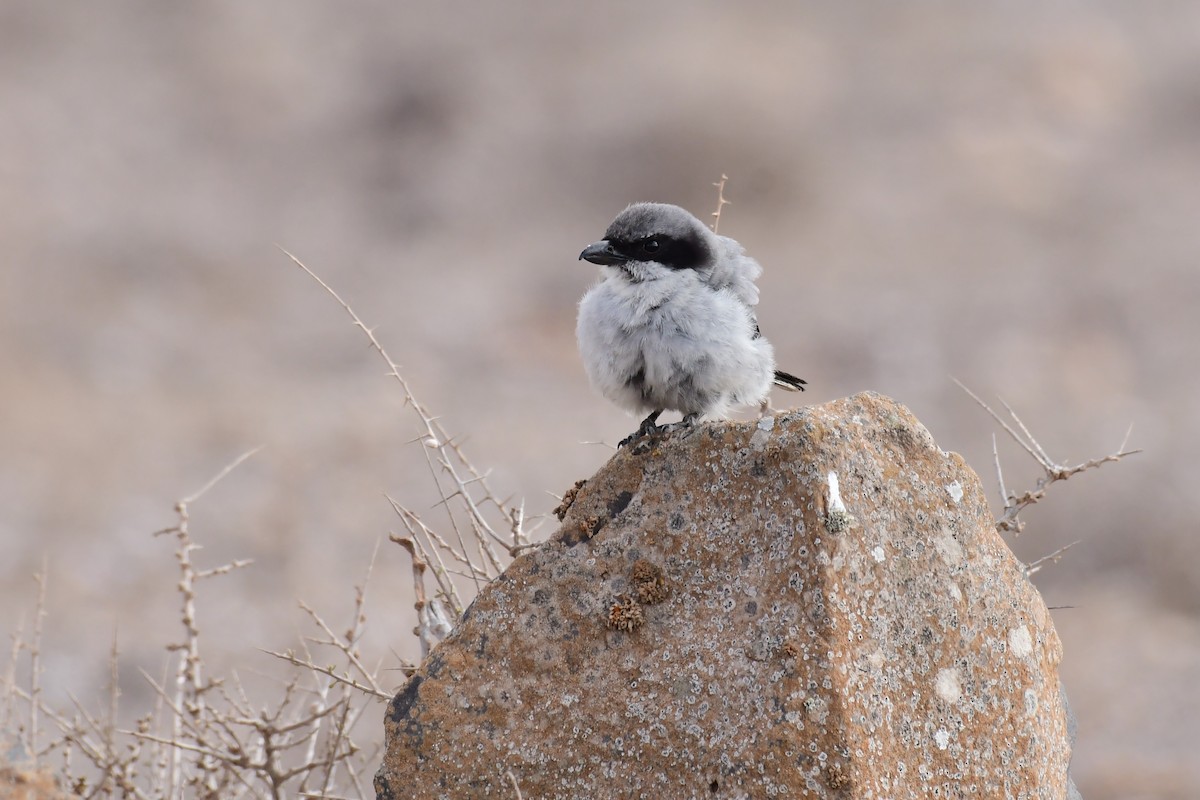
x=640 y=433
x=688 y=423
x=648 y=427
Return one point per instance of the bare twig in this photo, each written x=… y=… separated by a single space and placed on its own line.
x=35 y=661
x=515 y=785
x=1053 y=472
x=1052 y=558
x=114 y=696
x=999 y=471
x=331 y=672
x=8 y=688
x=204 y=737
x=721 y=201
x=428 y=555
x=443 y=455
x=228 y=468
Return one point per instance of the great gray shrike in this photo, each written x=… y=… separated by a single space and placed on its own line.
x=670 y=325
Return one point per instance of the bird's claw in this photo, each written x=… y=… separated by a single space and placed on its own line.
x=648 y=429
x=640 y=433
x=688 y=423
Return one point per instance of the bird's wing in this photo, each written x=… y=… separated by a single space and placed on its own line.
x=734 y=270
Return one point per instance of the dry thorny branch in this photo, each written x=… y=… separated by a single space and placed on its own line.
x=204 y=736
x=1053 y=472
x=470 y=506
x=721 y=201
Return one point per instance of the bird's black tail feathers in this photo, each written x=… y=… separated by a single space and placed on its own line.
x=789 y=381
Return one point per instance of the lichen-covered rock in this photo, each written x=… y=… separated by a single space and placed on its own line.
x=816 y=605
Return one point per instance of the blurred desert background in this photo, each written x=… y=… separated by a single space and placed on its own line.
x=1003 y=193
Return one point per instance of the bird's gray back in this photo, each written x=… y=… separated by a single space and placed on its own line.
x=734 y=270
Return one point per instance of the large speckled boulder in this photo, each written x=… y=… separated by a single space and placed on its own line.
x=815 y=605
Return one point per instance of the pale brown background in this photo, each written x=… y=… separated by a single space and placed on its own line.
x=1007 y=193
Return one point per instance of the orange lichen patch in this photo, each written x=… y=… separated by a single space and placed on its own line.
x=649 y=583
x=836 y=776
x=568 y=499
x=625 y=614
x=588 y=526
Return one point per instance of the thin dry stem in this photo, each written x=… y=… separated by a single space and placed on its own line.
x=999 y=470
x=462 y=491
x=1035 y=566
x=515 y=785
x=429 y=555
x=1014 y=504
x=721 y=201
x=10 y=678
x=204 y=737
x=35 y=661
x=443 y=455
x=228 y=468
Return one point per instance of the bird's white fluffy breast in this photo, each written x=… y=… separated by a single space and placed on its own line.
x=672 y=342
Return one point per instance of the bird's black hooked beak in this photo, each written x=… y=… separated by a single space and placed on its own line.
x=602 y=253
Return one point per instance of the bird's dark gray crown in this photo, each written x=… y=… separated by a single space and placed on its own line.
x=682 y=241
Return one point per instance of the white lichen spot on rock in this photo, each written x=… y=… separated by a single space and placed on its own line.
x=837 y=518
x=816 y=708
x=948 y=547
x=942 y=737
x=947 y=685
x=955 y=592
x=956 y=491
x=1020 y=643
x=762 y=432
x=877 y=552
x=1031 y=702
x=835 y=496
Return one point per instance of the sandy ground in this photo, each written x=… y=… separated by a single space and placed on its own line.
x=1003 y=193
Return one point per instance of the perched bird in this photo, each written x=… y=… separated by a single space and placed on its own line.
x=670 y=325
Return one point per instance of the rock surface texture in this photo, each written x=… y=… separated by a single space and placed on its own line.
x=19 y=783
x=814 y=605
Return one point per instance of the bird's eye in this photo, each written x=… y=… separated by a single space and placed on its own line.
x=650 y=246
